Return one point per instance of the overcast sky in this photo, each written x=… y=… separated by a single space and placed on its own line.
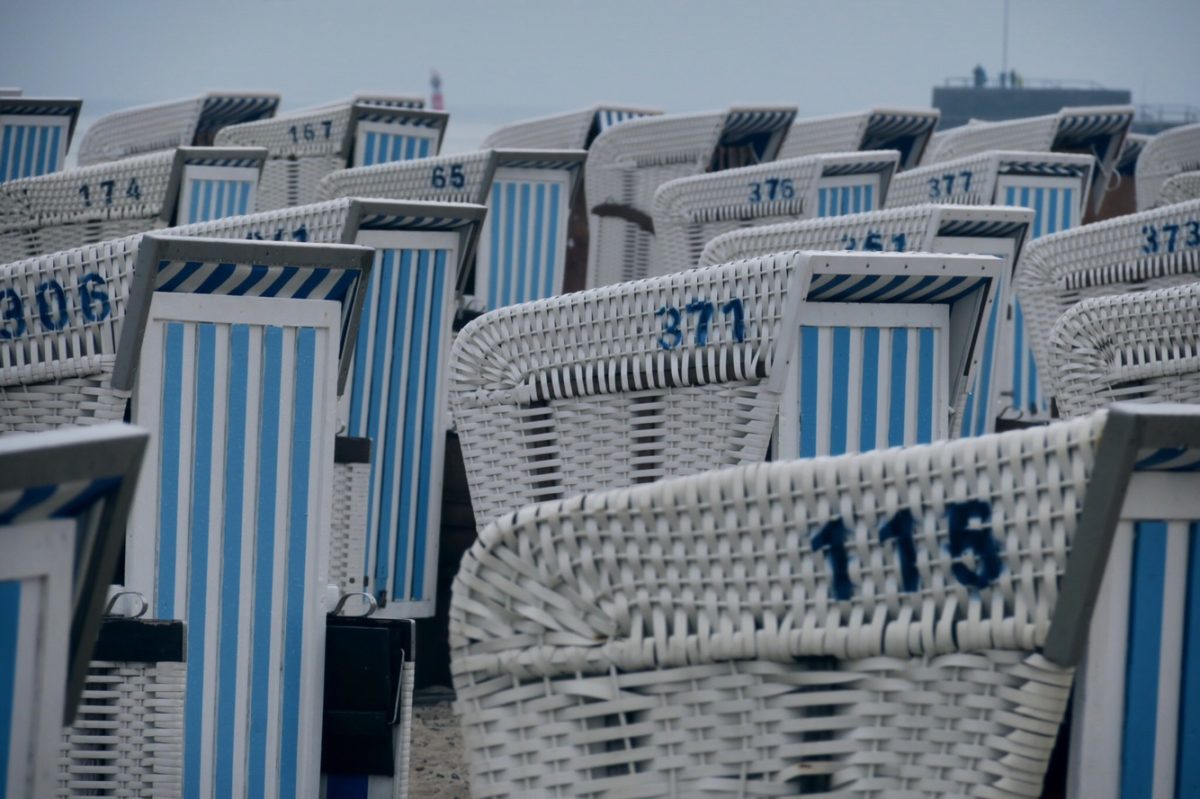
x=506 y=60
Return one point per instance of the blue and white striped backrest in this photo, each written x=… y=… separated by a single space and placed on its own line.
x=523 y=244
x=855 y=187
x=217 y=184
x=883 y=342
x=34 y=136
x=64 y=499
x=383 y=134
x=230 y=524
x=1136 y=725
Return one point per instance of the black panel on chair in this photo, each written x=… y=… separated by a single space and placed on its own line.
x=140 y=640
x=363 y=658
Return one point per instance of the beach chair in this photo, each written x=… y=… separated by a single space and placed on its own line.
x=305 y=146
x=1167 y=154
x=1056 y=188
x=572 y=130
x=906 y=130
x=1181 y=188
x=192 y=121
x=981 y=230
x=1120 y=196
x=34 y=135
x=623 y=384
x=627 y=163
x=64 y=500
x=689 y=212
x=107 y=201
x=1147 y=250
x=1134 y=729
x=1098 y=131
x=396 y=381
x=895 y=623
x=523 y=242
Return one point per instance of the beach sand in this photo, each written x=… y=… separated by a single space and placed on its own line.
x=437 y=770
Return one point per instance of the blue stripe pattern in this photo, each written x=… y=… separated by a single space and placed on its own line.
x=885 y=395
x=841 y=200
x=214 y=199
x=1142 y=668
x=1187 y=782
x=383 y=148
x=395 y=400
x=27 y=151
x=214 y=602
x=10 y=614
x=526 y=256
x=1054 y=211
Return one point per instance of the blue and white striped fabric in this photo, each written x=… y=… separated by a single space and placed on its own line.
x=62 y=501
x=213 y=199
x=864 y=386
x=1056 y=203
x=522 y=251
x=230 y=533
x=32 y=146
x=397 y=399
x=848 y=197
x=608 y=117
x=382 y=148
x=10 y=612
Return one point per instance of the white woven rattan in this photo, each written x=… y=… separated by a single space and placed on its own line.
x=572 y=130
x=1147 y=250
x=627 y=163
x=904 y=129
x=753 y=631
x=689 y=212
x=127 y=738
x=305 y=146
x=1170 y=153
x=1143 y=347
x=986 y=230
x=433 y=178
x=575 y=393
x=51 y=376
x=1180 y=188
x=164 y=126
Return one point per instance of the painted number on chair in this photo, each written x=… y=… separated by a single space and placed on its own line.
x=772 y=189
x=102 y=193
x=874 y=241
x=1170 y=236
x=310 y=132
x=945 y=185
x=50 y=306
x=976 y=554
x=456 y=179
x=281 y=234
x=697 y=316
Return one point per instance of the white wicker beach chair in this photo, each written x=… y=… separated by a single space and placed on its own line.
x=688 y=212
x=981 y=230
x=1148 y=250
x=396 y=385
x=627 y=163
x=1180 y=188
x=1135 y=722
x=1056 y=188
x=165 y=126
x=64 y=502
x=1098 y=131
x=623 y=384
x=229 y=528
x=34 y=135
x=898 y=623
x=906 y=130
x=1170 y=153
x=573 y=130
x=305 y=146
x=523 y=242
x=91 y=204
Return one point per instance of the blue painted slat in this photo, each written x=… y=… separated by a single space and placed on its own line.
x=1141 y=676
x=1187 y=758
x=870 y=390
x=839 y=406
x=523 y=243
x=10 y=614
x=897 y=386
x=169 y=458
x=411 y=464
x=925 y=386
x=810 y=339
x=553 y=262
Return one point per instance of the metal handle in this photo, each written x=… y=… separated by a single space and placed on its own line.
x=372 y=605
x=112 y=601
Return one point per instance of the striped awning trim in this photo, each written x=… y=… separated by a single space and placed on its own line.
x=856 y=168
x=425 y=119
x=1042 y=167
x=540 y=163
x=1173 y=459
x=981 y=228
x=607 y=117
x=396 y=222
x=62 y=501
x=893 y=288
x=233 y=162
x=39 y=108
x=1075 y=126
x=742 y=122
x=885 y=127
x=220 y=111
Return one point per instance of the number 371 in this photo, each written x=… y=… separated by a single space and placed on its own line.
x=703 y=311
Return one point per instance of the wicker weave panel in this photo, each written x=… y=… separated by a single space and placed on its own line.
x=286 y=182
x=571 y=130
x=836 y=134
x=416 y=180
x=575 y=392
x=688 y=636
x=1104 y=258
x=1032 y=134
x=1180 y=188
x=138 y=190
x=284 y=135
x=127 y=739
x=1165 y=155
x=1143 y=346
x=913 y=186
